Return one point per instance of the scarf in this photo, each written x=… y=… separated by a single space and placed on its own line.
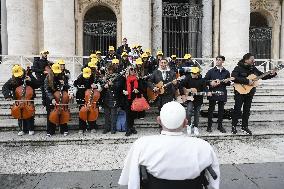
x=131 y=79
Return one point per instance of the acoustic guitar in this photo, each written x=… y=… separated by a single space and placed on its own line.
x=153 y=95
x=245 y=89
x=190 y=95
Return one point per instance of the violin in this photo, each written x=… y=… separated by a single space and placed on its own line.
x=90 y=111
x=23 y=108
x=60 y=114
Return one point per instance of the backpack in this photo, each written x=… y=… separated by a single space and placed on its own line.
x=121 y=121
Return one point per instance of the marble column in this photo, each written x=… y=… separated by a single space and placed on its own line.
x=136 y=22
x=234 y=28
x=22 y=27
x=282 y=33
x=59 y=27
x=207 y=29
x=216 y=28
x=157 y=26
x=4 y=35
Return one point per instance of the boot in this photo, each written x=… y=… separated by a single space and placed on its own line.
x=246 y=131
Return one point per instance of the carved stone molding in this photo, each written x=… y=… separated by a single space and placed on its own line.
x=271 y=6
x=115 y=4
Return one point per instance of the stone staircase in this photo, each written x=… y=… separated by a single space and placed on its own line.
x=266 y=120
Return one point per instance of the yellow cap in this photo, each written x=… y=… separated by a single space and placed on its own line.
x=87 y=72
x=134 y=47
x=124 y=54
x=138 y=45
x=195 y=70
x=17 y=71
x=60 y=62
x=92 y=64
x=98 y=52
x=44 y=52
x=148 y=51
x=95 y=60
x=93 y=56
x=173 y=56
x=187 y=56
x=111 y=48
x=139 y=61
x=115 y=61
x=144 y=55
x=160 y=53
x=56 y=68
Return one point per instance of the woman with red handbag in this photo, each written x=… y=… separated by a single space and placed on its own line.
x=131 y=91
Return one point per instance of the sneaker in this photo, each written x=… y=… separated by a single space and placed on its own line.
x=80 y=132
x=65 y=133
x=195 y=131
x=48 y=135
x=246 y=131
x=93 y=131
x=221 y=129
x=142 y=118
x=188 y=129
x=31 y=132
x=21 y=133
x=127 y=133
x=113 y=132
x=234 y=130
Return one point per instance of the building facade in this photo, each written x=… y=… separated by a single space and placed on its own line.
x=204 y=28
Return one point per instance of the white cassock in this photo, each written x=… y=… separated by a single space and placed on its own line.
x=171 y=156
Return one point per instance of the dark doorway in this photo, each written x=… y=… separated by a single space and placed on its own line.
x=260 y=35
x=182 y=27
x=99 y=30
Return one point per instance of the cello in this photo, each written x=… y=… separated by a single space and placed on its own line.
x=23 y=108
x=90 y=111
x=60 y=113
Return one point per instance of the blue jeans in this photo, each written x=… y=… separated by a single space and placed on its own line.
x=193 y=111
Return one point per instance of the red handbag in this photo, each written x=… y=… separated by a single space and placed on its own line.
x=140 y=104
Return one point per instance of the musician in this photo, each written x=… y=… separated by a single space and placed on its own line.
x=145 y=62
x=19 y=76
x=83 y=82
x=100 y=63
x=216 y=75
x=156 y=62
x=244 y=68
x=55 y=81
x=111 y=97
x=124 y=62
x=131 y=91
x=170 y=155
x=123 y=48
x=195 y=83
x=41 y=67
x=164 y=74
x=111 y=55
x=150 y=57
x=64 y=71
x=173 y=64
x=187 y=63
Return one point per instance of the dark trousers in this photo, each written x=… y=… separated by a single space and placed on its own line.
x=211 y=109
x=26 y=125
x=193 y=111
x=163 y=99
x=50 y=127
x=43 y=97
x=242 y=100
x=83 y=124
x=110 y=118
x=130 y=116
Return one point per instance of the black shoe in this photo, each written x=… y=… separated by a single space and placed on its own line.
x=105 y=131
x=246 y=130
x=133 y=131
x=113 y=132
x=234 y=130
x=209 y=130
x=221 y=129
x=127 y=133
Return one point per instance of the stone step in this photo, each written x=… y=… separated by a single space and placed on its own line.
x=255 y=121
x=39 y=139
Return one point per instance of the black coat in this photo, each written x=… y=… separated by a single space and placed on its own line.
x=10 y=86
x=242 y=71
x=39 y=67
x=123 y=48
x=214 y=74
x=56 y=87
x=82 y=84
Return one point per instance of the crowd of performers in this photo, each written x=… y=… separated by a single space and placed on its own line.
x=113 y=82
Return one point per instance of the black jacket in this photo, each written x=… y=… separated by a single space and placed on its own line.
x=214 y=74
x=123 y=48
x=39 y=67
x=82 y=84
x=242 y=71
x=56 y=86
x=10 y=86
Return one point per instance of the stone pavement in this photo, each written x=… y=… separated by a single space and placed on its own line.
x=233 y=176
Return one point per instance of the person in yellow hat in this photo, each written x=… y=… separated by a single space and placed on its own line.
x=55 y=81
x=19 y=77
x=124 y=62
x=41 y=67
x=155 y=64
x=64 y=71
x=173 y=64
x=84 y=82
x=111 y=55
x=186 y=65
x=123 y=48
x=193 y=84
